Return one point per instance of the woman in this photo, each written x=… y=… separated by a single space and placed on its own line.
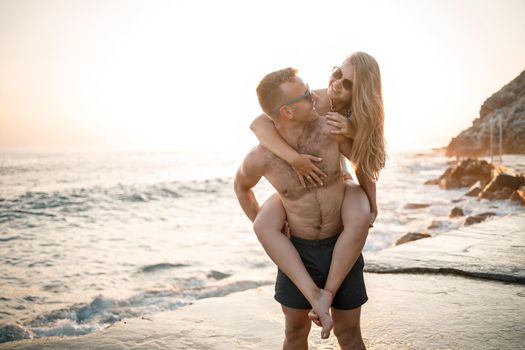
x=353 y=105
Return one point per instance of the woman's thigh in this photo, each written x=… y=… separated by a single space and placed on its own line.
x=356 y=207
x=271 y=214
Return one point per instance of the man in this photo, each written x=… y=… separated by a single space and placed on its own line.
x=313 y=213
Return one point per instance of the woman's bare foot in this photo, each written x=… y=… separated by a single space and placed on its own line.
x=314 y=318
x=320 y=314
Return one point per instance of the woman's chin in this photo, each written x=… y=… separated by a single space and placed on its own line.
x=333 y=95
x=337 y=96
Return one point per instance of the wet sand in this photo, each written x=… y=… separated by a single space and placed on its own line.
x=424 y=310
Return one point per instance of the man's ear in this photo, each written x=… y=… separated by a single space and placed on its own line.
x=287 y=112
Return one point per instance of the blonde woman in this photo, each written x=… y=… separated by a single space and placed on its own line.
x=354 y=107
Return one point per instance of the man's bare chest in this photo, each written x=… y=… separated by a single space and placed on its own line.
x=285 y=180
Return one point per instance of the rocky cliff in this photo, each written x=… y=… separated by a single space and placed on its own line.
x=509 y=104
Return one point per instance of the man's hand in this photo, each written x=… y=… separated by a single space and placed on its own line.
x=305 y=169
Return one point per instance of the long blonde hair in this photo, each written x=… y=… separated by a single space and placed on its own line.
x=368 y=149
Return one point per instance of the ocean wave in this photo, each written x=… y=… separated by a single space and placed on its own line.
x=160 y=266
x=66 y=328
x=54 y=204
x=12 y=332
x=102 y=311
x=7 y=239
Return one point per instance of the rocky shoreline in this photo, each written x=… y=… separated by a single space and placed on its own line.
x=506 y=108
x=499 y=129
x=480 y=179
x=484 y=180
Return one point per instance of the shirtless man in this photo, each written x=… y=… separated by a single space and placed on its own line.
x=313 y=213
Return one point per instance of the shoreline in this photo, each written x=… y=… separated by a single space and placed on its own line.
x=466 y=251
x=395 y=317
x=383 y=262
x=404 y=311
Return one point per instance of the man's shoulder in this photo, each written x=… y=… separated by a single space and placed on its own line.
x=258 y=152
x=257 y=157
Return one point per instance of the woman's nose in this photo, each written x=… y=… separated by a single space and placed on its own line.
x=336 y=83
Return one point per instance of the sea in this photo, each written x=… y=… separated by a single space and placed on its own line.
x=91 y=238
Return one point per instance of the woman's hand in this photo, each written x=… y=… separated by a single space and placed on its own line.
x=341 y=125
x=373 y=216
x=304 y=167
x=348 y=177
x=286 y=230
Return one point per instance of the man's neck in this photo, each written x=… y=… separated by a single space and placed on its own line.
x=291 y=132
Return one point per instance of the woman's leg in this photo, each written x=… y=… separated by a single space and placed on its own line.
x=355 y=213
x=267 y=226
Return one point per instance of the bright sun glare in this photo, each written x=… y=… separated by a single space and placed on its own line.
x=182 y=75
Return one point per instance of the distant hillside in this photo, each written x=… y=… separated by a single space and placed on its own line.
x=509 y=103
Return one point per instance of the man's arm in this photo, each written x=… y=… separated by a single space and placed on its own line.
x=368 y=185
x=248 y=175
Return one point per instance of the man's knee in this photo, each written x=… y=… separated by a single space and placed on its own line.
x=347 y=328
x=348 y=335
x=296 y=332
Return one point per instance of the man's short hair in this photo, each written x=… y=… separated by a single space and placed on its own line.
x=269 y=90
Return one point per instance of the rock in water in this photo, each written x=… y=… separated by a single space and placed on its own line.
x=507 y=104
x=466 y=173
x=217 y=275
x=519 y=195
x=485 y=180
x=470 y=220
x=456 y=211
x=504 y=180
x=416 y=205
x=411 y=236
x=474 y=190
x=432 y=182
x=504 y=193
x=502 y=186
x=435 y=224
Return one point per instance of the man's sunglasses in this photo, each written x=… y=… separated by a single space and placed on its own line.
x=337 y=74
x=307 y=95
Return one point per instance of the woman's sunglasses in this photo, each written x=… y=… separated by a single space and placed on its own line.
x=337 y=74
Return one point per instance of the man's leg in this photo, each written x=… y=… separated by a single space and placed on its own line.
x=267 y=227
x=297 y=328
x=355 y=213
x=347 y=328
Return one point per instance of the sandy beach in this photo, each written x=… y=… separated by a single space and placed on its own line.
x=425 y=310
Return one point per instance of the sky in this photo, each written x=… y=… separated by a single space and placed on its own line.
x=181 y=75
